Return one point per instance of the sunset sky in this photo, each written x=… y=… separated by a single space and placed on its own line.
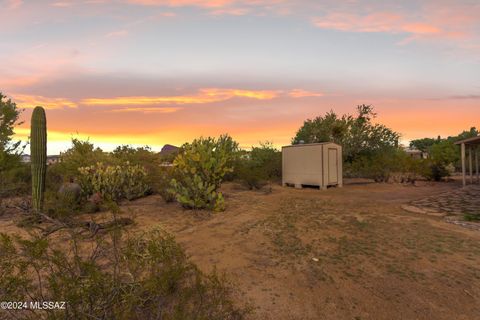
x=150 y=72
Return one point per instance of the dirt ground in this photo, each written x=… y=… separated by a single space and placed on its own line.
x=346 y=253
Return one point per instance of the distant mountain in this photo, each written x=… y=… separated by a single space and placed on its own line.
x=168 y=149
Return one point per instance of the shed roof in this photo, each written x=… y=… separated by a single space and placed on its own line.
x=470 y=141
x=310 y=144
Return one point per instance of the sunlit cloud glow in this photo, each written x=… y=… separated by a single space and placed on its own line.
x=148 y=110
x=167 y=71
x=209 y=95
x=300 y=93
x=30 y=102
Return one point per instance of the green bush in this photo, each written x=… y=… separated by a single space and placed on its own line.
x=200 y=169
x=144 y=157
x=144 y=276
x=163 y=184
x=16 y=180
x=260 y=165
x=442 y=155
x=386 y=165
x=81 y=154
x=114 y=182
x=251 y=175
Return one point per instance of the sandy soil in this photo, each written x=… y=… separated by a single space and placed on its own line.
x=348 y=253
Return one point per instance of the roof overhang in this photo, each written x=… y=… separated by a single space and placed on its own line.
x=470 y=141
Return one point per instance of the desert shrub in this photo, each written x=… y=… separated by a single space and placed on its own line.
x=269 y=159
x=382 y=166
x=251 y=175
x=82 y=153
x=260 y=165
x=200 y=169
x=163 y=184
x=144 y=157
x=443 y=154
x=55 y=177
x=471 y=217
x=16 y=180
x=115 y=276
x=114 y=182
x=436 y=170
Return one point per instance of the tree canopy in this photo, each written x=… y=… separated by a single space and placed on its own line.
x=10 y=150
x=358 y=134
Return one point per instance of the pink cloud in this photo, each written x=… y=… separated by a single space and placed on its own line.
x=431 y=20
x=385 y=22
x=13 y=4
x=117 y=34
x=181 y=3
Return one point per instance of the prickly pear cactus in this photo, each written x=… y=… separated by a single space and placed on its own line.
x=200 y=169
x=38 y=154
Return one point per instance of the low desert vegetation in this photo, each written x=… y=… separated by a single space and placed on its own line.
x=113 y=276
x=105 y=272
x=372 y=150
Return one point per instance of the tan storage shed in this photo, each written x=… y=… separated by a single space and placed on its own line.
x=314 y=164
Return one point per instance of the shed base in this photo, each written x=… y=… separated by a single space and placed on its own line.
x=309 y=186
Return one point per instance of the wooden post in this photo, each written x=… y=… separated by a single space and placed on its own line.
x=470 y=163
x=463 y=165
x=476 y=164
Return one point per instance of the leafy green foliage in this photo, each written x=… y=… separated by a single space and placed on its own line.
x=163 y=184
x=423 y=144
x=200 y=169
x=382 y=166
x=82 y=153
x=444 y=154
x=114 y=182
x=9 y=115
x=11 y=168
x=144 y=157
x=261 y=164
x=118 y=276
x=358 y=135
x=16 y=181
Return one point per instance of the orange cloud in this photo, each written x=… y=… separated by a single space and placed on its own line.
x=208 y=95
x=148 y=110
x=30 y=102
x=18 y=81
x=300 y=93
x=421 y=28
x=385 y=22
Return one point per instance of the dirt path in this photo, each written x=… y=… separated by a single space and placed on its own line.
x=348 y=253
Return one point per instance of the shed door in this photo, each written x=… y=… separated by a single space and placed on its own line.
x=332 y=166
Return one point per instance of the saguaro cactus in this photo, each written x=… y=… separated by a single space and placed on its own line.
x=38 y=156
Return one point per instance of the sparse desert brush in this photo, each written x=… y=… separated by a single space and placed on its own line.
x=115 y=276
x=260 y=165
